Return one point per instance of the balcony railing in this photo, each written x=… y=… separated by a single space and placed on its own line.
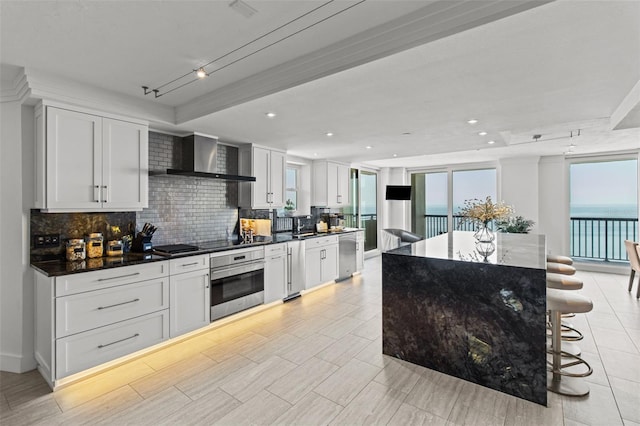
x=369 y=222
x=601 y=238
x=590 y=237
x=437 y=224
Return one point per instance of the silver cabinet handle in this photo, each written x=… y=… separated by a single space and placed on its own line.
x=339 y=199
x=208 y=281
x=289 y=264
x=190 y=264
x=118 y=304
x=119 y=276
x=105 y=193
x=118 y=341
x=96 y=193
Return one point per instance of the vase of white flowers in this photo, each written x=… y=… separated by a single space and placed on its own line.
x=482 y=213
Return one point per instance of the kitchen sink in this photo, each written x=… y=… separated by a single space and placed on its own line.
x=307 y=234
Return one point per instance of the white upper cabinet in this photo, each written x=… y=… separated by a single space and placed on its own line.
x=330 y=184
x=268 y=167
x=86 y=162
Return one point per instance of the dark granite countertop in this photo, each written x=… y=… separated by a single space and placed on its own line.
x=522 y=250
x=58 y=267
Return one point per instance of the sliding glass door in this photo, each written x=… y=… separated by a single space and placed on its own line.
x=363 y=212
x=440 y=195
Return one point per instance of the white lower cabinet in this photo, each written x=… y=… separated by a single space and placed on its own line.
x=84 y=350
x=359 y=251
x=275 y=272
x=89 y=318
x=321 y=261
x=190 y=306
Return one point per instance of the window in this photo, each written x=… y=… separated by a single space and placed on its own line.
x=291 y=188
x=603 y=208
x=440 y=195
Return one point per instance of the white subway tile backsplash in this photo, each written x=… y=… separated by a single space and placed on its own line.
x=188 y=209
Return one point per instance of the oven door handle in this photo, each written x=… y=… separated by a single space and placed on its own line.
x=217 y=273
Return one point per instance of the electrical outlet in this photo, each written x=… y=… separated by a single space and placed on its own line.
x=46 y=240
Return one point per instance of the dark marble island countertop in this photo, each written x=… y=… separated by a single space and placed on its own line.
x=520 y=250
x=446 y=308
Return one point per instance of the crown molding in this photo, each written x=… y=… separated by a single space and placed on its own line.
x=44 y=86
x=18 y=90
x=436 y=20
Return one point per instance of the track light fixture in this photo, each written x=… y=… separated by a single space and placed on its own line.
x=200 y=72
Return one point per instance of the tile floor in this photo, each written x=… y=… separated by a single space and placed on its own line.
x=317 y=360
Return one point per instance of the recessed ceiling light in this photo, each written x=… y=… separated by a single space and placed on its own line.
x=395 y=155
x=572 y=146
x=368 y=147
x=329 y=134
x=472 y=121
x=270 y=114
x=491 y=142
x=201 y=73
x=482 y=133
x=315 y=154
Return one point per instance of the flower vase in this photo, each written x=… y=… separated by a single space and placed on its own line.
x=484 y=234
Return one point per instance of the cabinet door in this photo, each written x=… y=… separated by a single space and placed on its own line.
x=332 y=185
x=313 y=268
x=343 y=185
x=124 y=165
x=275 y=278
x=278 y=166
x=260 y=195
x=74 y=160
x=296 y=263
x=189 y=306
x=359 y=255
x=330 y=263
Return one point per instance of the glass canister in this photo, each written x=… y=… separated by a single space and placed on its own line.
x=114 y=248
x=76 y=249
x=95 y=244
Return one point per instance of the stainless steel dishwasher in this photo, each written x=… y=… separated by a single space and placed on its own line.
x=346 y=255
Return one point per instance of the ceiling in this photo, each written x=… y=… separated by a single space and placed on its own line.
x=402 y=77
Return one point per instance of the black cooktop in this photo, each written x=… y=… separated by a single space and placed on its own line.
x=175 y=248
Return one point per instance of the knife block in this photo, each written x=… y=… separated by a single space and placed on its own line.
x=141 y=243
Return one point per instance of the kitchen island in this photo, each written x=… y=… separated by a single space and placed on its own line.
x=471 y=310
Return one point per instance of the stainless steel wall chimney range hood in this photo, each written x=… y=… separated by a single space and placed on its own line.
x=199 y=154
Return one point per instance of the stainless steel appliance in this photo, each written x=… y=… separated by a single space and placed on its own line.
x=237 y=281
x=295 y=269
x=346 y=255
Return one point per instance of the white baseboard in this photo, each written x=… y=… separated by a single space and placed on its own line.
x=608 y=268
x=16 y=363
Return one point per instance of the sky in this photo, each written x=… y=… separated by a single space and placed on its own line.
x=467 y=185
x=612 y=182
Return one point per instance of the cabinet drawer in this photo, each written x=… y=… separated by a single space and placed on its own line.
x=89 y=310
x=88 y=281
x=84 y=350
x=189 y=263
x=321 y=241
x=275 y=249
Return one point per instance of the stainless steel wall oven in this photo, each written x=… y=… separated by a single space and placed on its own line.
x=237 y=281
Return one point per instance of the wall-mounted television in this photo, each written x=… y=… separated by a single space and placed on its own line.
x=398 y=192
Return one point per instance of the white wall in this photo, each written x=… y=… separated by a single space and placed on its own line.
x=553 y=205
x=519 y=186
x=16 y=276
x=394 y=213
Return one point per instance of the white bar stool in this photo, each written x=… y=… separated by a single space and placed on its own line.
x=559 y=302
x=560 y=268
x=559 y=259
x=566 y=282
